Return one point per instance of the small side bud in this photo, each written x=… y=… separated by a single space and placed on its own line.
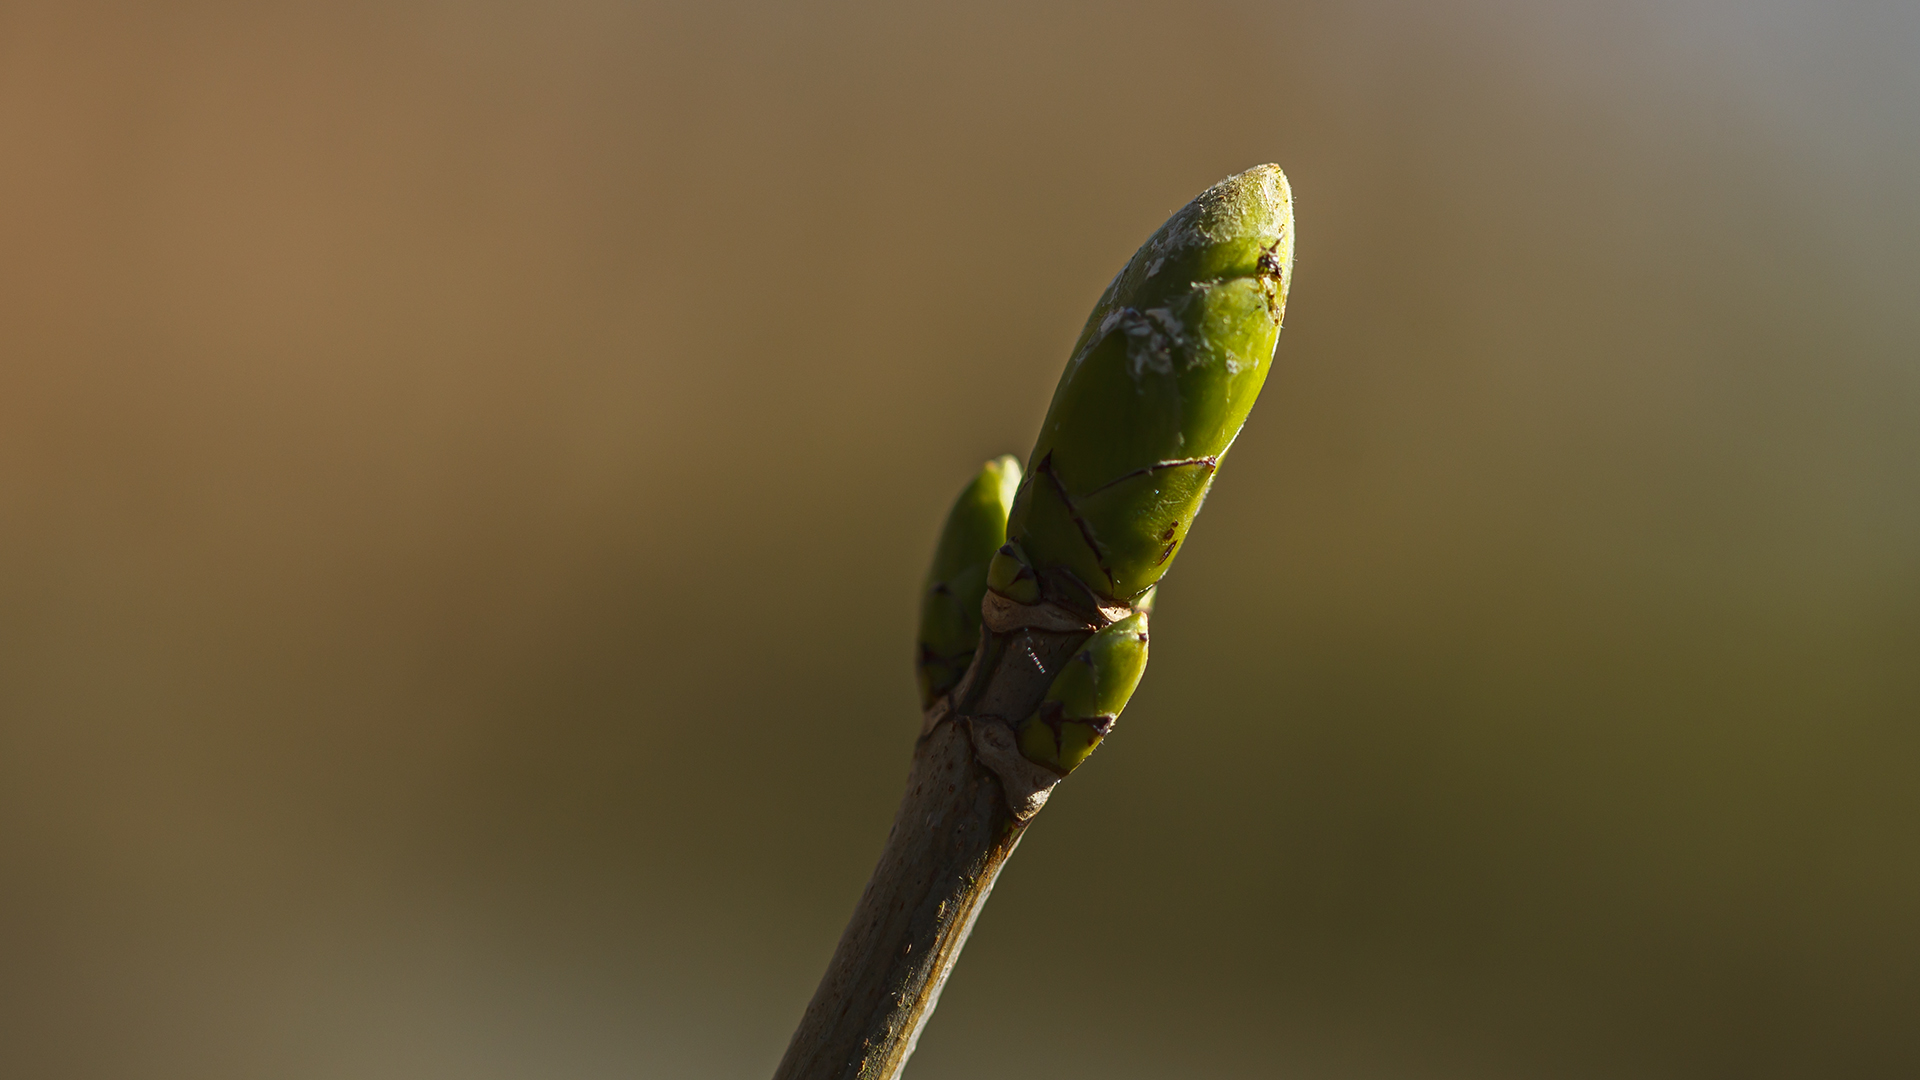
x=956 y=583
x=1012 y=576
x=1086 y=697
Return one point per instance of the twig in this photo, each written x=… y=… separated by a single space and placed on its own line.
x=1030 y=648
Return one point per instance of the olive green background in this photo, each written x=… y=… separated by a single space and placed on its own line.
x=465 y=471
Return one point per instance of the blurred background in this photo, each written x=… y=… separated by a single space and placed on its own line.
x=465 y=472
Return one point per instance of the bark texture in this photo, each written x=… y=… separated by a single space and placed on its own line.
x=950 y=837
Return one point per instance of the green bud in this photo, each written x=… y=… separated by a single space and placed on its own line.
x=1159 y=384
x=950 y=602
x=1086 y=697
x=1011 y=575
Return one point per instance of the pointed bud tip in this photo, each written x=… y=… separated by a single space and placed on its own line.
x=1255 y=203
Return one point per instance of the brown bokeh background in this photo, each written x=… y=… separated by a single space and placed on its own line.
x=465 y=471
